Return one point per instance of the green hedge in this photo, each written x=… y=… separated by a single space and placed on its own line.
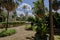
x=7 y=32
x=16 y=23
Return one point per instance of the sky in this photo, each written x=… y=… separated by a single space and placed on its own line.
x=29 y=3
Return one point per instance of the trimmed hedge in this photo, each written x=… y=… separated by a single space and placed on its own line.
x=7 y=32
x=16 y=23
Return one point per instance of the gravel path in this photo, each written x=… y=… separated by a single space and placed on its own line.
x=21 y=34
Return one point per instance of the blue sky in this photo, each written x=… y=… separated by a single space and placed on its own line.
x=30 y=3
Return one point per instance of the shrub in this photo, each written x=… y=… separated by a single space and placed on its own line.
x=7 y=32
x=29 y=27
x=16 y=23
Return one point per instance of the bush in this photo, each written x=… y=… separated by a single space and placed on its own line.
x=29 y=27
x=7 y=32
x=16 y=23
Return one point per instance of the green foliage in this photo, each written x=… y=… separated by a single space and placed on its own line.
x=38 y=11
x=2 y=16
x=29 y=27
x=31 y=19
x=21 y=18
x=18 y=18
x=20 y=0
x=56 y=20
x=7 y=32
x=14 y=24
x=41 y=25
x=55 y=5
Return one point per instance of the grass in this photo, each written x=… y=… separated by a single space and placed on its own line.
x=7 y=32
x=57 y=37
x=29 y=27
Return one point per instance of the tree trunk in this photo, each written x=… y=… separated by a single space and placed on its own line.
x=43 y=6
x=7 y=20
x=51 y=21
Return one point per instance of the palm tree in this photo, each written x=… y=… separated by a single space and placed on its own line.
x=39 y=11
x=9 y=5
x=51 y=21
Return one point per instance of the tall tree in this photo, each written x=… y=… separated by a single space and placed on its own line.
x=51 y=21
x=9 y=5
x=38 y=8
x=39 y=12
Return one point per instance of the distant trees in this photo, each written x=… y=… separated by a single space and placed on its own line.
x=22 y=17
x=31 y=19
x=14 y=15
x=2 y=17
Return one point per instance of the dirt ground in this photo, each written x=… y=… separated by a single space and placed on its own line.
x=21 y=34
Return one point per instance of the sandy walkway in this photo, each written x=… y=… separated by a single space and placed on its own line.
x=21 y=34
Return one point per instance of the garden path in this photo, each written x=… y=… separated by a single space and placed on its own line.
x=21 y=34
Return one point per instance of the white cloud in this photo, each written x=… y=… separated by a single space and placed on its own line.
x=20 y=12
x=58 y=11
x=30 y=14
x=28 y=7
